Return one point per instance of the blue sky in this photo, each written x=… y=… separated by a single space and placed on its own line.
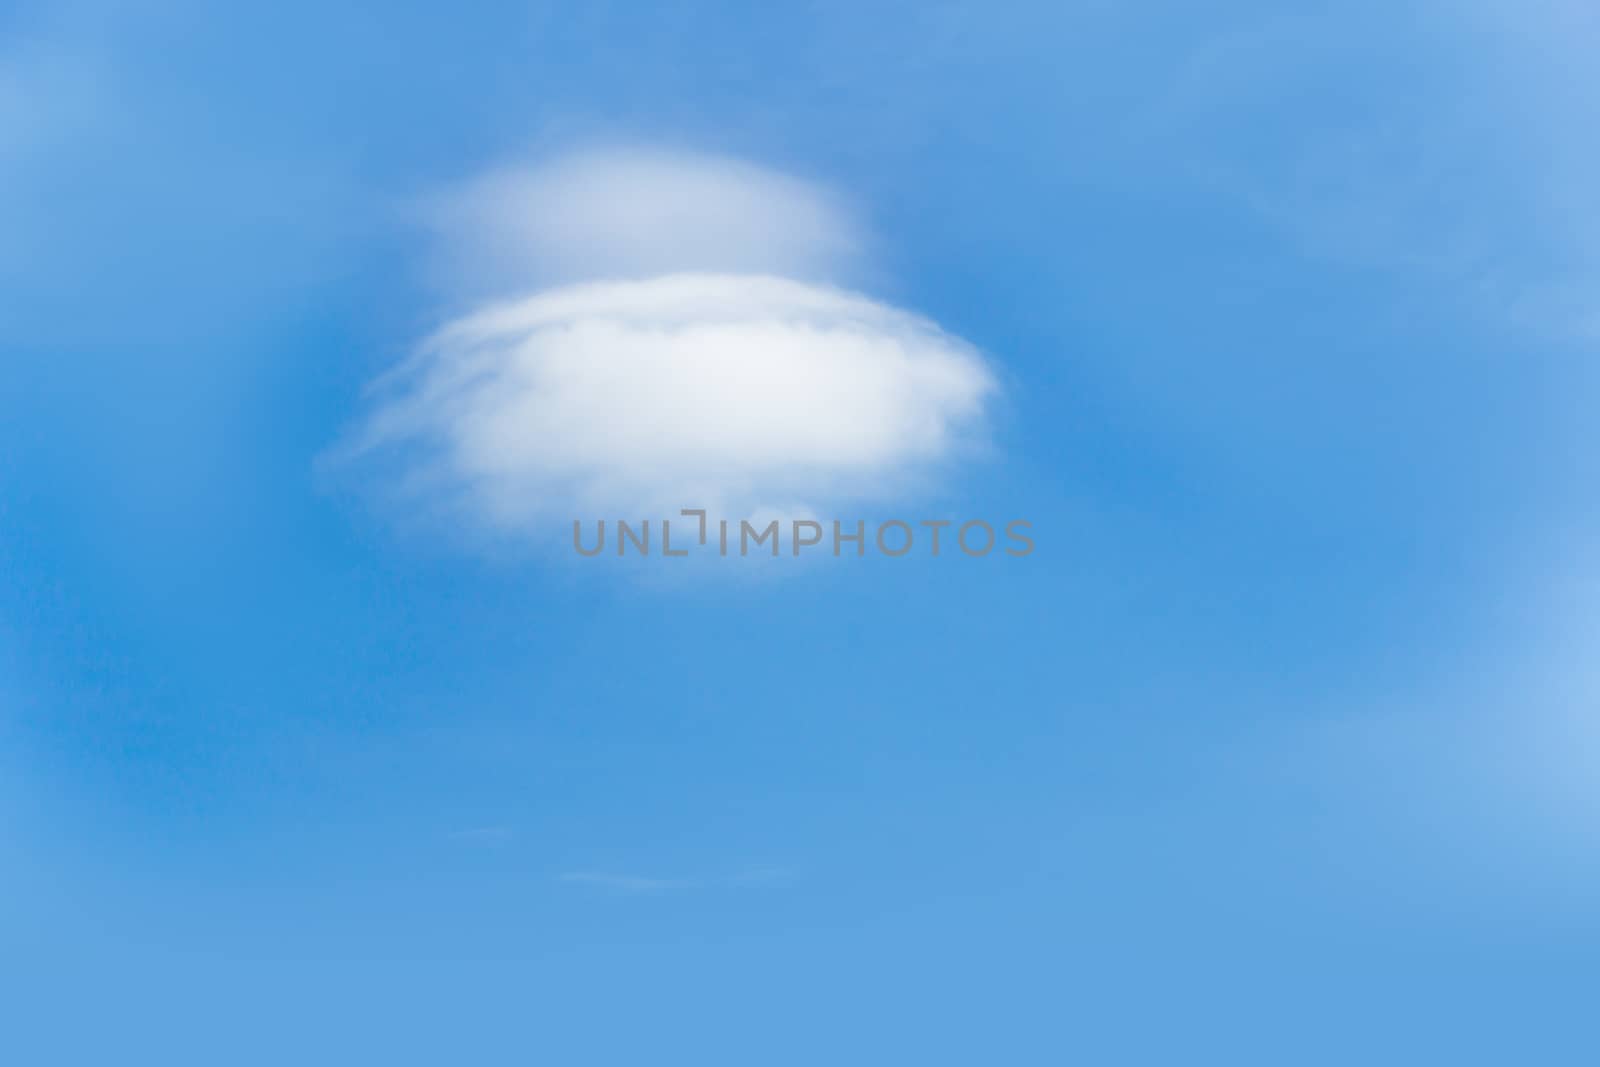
x=1278 y=324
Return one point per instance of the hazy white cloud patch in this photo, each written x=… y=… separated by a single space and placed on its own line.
x=1491 y=768
x=628 y=883
x=1457 y=158
x=751 y=878
x=686 y=349
x=631 y=213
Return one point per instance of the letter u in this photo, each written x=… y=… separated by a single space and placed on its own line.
x=577 y=541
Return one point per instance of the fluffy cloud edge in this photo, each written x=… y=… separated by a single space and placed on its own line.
x=741 y=394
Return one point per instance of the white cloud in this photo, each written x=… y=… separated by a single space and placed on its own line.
x=629 y=213
x=717 y=383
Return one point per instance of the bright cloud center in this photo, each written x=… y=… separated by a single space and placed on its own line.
x=727 y=388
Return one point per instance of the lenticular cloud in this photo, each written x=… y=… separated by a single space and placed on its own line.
x=713 y=385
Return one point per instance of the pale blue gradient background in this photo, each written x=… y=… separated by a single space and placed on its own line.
x=1298 y=317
